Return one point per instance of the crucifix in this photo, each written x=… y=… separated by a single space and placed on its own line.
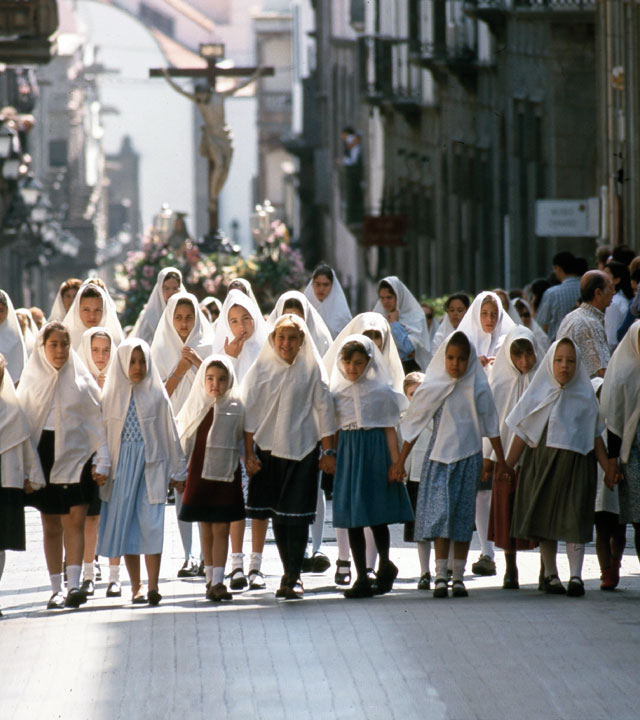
x=216 y=142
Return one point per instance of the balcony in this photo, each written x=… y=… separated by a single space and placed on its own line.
x=492 y=12
x=457 y=58
x=556 y=10
x=26 y=31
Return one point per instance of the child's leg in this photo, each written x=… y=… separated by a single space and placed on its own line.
x=317 y=527
x=52 y=536
x=297 y=536
x=185 y=528
x=372 y=551
x=548 y=552
x=460 y=552
x=133 y=569
x=220 y=533
x=114 y=570
x=483 y=508
x=153 y=569
x=206 y=533
x=636 y=536
x=358 y=551
x=280 y=536
x=424 y=553
x=441 y=547
x=90 y=540
x=73 y=536
x=342 y=538
x=382 y=540
x=258 y=538
x=575 y=555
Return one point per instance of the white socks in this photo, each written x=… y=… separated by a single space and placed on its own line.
x=88 y=571
x=56 y=582
x=441 y=569
x=342 y=538
x=424 y=552
x=255 y=562
x=458 y=569
x=372 y=550
x=575 y=556
x=483 y=507
x=73 y=576
x=548 y=551
x=114 y=573
x=237 y=561
x=208 y=573
x=3 y=557
x=185 y=528
x=217 y=575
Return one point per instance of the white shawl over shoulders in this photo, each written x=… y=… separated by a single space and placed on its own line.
x=319 y=331
x=149 y=318
x=12 y=344
x=334 y=309
x=486 y=344
x=76 y=327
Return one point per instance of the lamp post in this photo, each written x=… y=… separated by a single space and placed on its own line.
x=261 y=220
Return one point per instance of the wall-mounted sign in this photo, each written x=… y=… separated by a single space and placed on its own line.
x=568 y=218
x=384 y=230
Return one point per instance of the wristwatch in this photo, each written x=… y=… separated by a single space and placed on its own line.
x=329 y=453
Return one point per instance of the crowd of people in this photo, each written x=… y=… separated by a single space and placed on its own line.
x=515 y=415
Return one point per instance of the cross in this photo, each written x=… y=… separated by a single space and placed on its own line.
x=216 y=143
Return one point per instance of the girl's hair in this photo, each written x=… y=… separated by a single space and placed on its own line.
x=286 y=321
x=413 y=378
x=537 y=289
x=70 y=284
x=371 y=333
x=3 y=298
x=515 y=293
x=384 y=285
x=185 y=301
x=100 y=335
x=237 y=285
x=52 y=327
x=173 y=275
x=460 y=340
x=218 y=365
x=489 y=300
x=463 y=297
x=621 y=272
x=566 y=341
x=351 y=348
x=520 y=347
x=293 y=304
x=323 y=269
x=91 y=291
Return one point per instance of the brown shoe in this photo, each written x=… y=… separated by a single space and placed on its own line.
x=219 y=592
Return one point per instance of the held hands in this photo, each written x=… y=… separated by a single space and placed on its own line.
x=488 y=468
x=252 y=465
x=505 y=472
x=612 y=475
x=327 y=465
x=396 y=472
x=100 y=480
x=177 y=485
x=28 y=487
x=234 y=348
x=393 y=316
x=191 y=356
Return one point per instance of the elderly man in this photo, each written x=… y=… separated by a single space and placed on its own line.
x=561 y=299
x=585 y=325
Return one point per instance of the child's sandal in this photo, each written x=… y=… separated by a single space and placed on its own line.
x=440 y=588
x=343 y=578
x=458 y=589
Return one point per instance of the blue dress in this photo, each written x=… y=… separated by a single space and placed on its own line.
x=129 y=523
x=446 y=504
x=362 y=496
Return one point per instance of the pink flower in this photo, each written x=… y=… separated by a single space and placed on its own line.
x=133 y=284
x=209 y=286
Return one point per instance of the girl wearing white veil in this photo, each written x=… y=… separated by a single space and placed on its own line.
x=29 y=328
x=92 y=307
x=20 y=468
x=408 y=323
x=288 y=411
x=556 y=424
x=326 y=295
x=147 y=458
x=244 y=286
x=525 y=317
x=168 y=282
x=295 y=302
x=455 y=306
x=210 y=425
x=487 y=324
x=182 y=339
x=12 y=344
x=62 y=403
x=213 y=306
x=64 y=298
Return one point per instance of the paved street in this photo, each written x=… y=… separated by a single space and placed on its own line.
x=497 y=654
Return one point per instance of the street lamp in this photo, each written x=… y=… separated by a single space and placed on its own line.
x=261 y=222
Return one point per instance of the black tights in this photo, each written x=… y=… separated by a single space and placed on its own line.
x=611 y=538
x=292 y=542
x=359 y=548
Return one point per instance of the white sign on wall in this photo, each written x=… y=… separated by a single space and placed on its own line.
x=568 y=218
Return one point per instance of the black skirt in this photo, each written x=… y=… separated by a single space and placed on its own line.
x=90 y=489
x=285 y=490
x=55 y=499
x=12 y=534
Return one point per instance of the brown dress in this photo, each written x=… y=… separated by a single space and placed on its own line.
x=503 y=496
x=555 y=496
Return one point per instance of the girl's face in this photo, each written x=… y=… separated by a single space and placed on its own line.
x=564 y=363
x=456 y=312
x=216 y=382
x=387 y=299
x=68 y=296
x=525 y=315
x=56 y=349
x=409 y=392
x=489 y=316
x=321 y=287
x=90 y=311
x=376 y=336
x=524 y=362
x=214 y=312
x=456 y=361
x=355 y=365
x=100 y=352
x=4 y=311
x=184 y=319
x=240 y=322
x=137 y=366
x=287 y=342
x=170 y=287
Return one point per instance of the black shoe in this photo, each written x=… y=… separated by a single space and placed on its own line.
x=56 y=601
x=88 y=587
x=510 y=581
x=171 y=497
x=307 y=564
x=343 y=578
x=189 y=569
x=320 y=562
x=75 y=598
x=154 y=597
x=440 y=588
x=139 y=599
x=201 y=572
x=256 y=580
x=361 y=589
x=237 y=579
x=385 y=578
x=114 y=589
x=425 y=582
x=458 y=589
x=553 y=588
x=575 y=587
x=281 y=592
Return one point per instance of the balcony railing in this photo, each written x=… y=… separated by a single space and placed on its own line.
x=554 y=5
